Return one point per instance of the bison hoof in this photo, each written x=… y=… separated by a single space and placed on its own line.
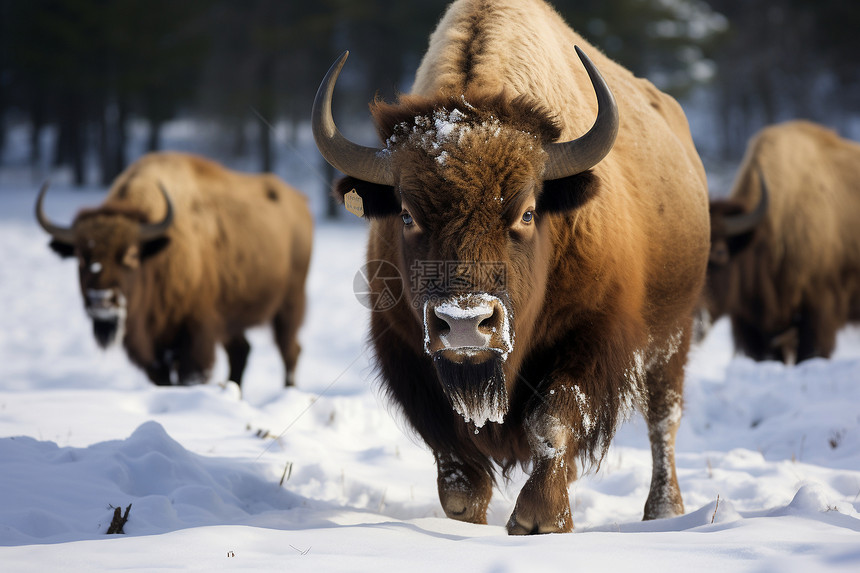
x=543 y=505
x=665 y=510
x=664 y=500
x=530 y=523
x=464 y=507
x=464 y=491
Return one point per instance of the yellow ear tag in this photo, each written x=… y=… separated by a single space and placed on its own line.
x=354 y=203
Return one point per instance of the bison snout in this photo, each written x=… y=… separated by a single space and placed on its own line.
x=464 y=327
x=104 y=304
x=107 y=309
x=467 y=324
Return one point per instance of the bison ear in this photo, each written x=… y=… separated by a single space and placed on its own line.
x=153 y=247
x=65 y=250
x=377 y=200
x=568 y=193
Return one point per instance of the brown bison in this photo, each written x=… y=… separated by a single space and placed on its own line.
x=550 y=266
x=184 y=254
x=785 y=246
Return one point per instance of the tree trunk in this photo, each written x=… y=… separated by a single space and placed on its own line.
x=265 y=79
x=112 y=141
x=37 y=122
x=265 y=147
x=71 y=144
x=153 y=140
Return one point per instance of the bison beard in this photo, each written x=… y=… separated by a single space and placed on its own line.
x=105 y=331
x=476 y=390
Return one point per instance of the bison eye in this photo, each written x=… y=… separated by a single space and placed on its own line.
x=528 y=216
x=407 y=218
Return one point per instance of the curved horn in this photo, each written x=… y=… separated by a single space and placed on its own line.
x=578 y=155
x=746 y=222
x=61 y=234
x=149 y=231
x=351 y=158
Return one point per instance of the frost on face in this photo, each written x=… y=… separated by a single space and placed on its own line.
x=446 y=123
x=491 y=407
x=476 y=391
x=475 y=388
x=108 y=309
x=443 y=127
x=469 y=306
x=106 y=304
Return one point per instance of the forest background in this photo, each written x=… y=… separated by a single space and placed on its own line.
x=86 y=86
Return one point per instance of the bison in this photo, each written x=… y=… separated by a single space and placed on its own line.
x=184 y=254
x=550 y=262
x=785 y=248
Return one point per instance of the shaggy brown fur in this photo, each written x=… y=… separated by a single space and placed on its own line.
x=791 y=283
x=236 y=255
x=600 y=282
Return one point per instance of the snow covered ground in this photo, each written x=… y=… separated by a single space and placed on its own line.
x=325 y=477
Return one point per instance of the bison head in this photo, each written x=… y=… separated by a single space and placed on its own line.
x=466 y=185
x=732 y=231
x=110 y=244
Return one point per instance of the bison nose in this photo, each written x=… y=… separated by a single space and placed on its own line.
x=101 y=298
x=463 y=328
x=471 y=322
x=104 y=304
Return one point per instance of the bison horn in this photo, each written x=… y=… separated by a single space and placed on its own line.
x=740 y=224
x=60 y=234
x=149 y=231
x=583 y=153
x=366 y=163
x=361 y=162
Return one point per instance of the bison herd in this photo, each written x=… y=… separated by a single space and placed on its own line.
x=548 y=215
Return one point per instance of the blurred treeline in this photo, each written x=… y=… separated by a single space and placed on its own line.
x=87 y=69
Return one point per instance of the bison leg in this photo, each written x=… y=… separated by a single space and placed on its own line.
x=286 y=326
x=159 y=373
x=195 y=353
x=464 y=491
x=543 y=505
x=816 y=336
x=665 y=384
x=237 y=355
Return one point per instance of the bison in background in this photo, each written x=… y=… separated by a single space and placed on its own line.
x=184 y=254
x=551 y=262
x=785 y=245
